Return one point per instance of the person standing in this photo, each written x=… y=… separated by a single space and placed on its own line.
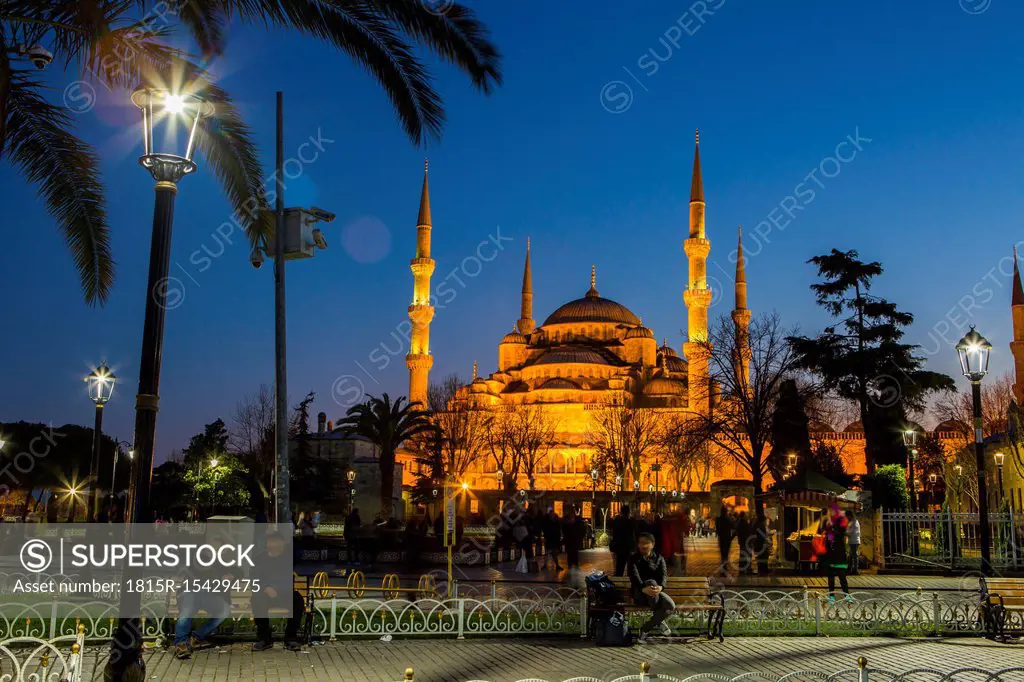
x=647 y=576
x=853 y=535
x=574 y=531
x=277 y=591
x=723 y=529
x=836 y=527
x=552 y=538
x=352 y=530
x=623 y=540
x=744 y=531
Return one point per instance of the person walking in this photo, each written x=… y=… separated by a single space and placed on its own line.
x=647 y=576
x=744 y=531
x=573 y=532
x=853 y=536
x=623 y=541
x=723 y=529
x=552 y=538
x=836 y=527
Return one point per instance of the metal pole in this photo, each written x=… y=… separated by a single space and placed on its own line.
x=113 y=474
x=979 y=454
x=126 y=644
x=94 y=469
x=913 y=486
x=282 y=511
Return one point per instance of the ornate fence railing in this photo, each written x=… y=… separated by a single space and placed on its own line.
x=35 y=659
x=513 y=609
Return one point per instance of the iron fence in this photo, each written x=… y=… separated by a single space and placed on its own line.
x=951 y=540
x=35 y=659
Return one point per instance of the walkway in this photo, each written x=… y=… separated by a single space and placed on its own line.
x=559 y=659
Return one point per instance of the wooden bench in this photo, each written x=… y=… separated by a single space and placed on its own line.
x=690 y=594
x=999 y=598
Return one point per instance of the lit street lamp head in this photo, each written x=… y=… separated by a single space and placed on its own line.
x=999 y=458
x=101 y=384
x=910 y=437
x=974 y=350
x=161 y=106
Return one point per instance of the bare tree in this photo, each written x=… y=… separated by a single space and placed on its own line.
x=958 y=408
x=463 y=431
x=740 y=424
x=520 y=441
x=686 y=446
x=623 y=437
x=252 y=436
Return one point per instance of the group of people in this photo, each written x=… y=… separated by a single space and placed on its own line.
x=751 y=536
x=547 y=533
x=669 y=533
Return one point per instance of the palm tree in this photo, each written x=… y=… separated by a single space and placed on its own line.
x=387 y=425
x=124 y=44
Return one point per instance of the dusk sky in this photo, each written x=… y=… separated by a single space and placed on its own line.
x=587 y=149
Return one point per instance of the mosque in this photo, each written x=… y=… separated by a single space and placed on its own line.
x=593 y=351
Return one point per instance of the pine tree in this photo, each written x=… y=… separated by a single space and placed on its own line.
x=862 y=356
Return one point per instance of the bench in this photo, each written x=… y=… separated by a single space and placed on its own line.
x=690 y=594
x=1001 y=597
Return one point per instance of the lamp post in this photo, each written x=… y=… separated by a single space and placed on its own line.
x=101 y=387
x=499 y=478
x=958 y=472
x=790 y=463
x=593 y=478
x=932 y=480
x=351 y=477
x=910 y=440
x=636 y=492
x=974 y=350
x=113 y=473
x=999 y=458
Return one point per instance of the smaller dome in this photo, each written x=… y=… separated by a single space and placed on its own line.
x=571 y=354
x=952 y=425
x=664 y=386
x=854 y=427
x=559 y=383
x=513 y=337
x=676 y=364
x=668 y=350
x=640 y=332
x=816 y=426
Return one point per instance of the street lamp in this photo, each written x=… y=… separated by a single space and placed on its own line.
x=999 y=458
x=791 y=463
x=636 y=491
x=113 y=473
x=499 y=478
x=351 y=476
x=974 y=350
x=593 y=478
x=910 y=440
x=101 y=387
x=932 y=479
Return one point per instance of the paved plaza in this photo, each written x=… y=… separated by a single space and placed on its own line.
x=557 y=659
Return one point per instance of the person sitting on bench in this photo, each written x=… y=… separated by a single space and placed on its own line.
x=647 y=574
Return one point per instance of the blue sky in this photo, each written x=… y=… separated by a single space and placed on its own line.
x=587 y=149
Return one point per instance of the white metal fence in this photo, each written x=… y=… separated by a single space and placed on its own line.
x=34 y=659
x=951 y=540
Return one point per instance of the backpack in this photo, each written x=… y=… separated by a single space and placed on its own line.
x=612 y=630
x=602 y=589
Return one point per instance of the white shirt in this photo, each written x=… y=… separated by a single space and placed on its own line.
x=855 y=532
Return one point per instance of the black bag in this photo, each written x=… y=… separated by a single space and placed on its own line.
x=612 y=630
x=602 y=590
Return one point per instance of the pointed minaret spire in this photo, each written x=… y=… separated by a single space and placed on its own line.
x=526 y=323
x=697 y=183
x=741 y=274
x=592 y=292
x=419 y=360
x=1017 y=345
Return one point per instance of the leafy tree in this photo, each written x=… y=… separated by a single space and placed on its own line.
x=888 y=486
x=218 y=485
x=387 y=425
x=169 y=491
x=790 y=432
x=862 y=356
x=123 y=45
x=311 y=476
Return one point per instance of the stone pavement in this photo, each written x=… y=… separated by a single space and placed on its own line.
x=557 y=659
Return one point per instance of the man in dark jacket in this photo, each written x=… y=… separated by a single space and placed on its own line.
x=723 y=528
x=647 y=575
x=623 y=540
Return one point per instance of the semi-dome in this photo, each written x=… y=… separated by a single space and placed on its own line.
x=578 y=354
x=559 y=383
x=640 y=332
x=513 y=337
x=664 y=386
x=854 y=427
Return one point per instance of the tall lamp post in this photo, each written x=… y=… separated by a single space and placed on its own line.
x=999 y=458
x=351 y=477
x=910 y=440
x=113 y=473
x=593 y=479
x=101 y=387
x=974 y=350
x=157 y=106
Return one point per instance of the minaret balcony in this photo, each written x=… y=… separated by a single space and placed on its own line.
x=696 y=247
x=421 y=315
x=422 y=266
x=697 y=298
x=419 y=360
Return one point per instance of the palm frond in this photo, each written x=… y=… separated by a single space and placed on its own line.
x=454 y=34
x=66 y=171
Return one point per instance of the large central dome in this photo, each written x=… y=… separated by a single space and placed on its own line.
x=593 y=308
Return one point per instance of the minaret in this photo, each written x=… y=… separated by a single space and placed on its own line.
x=419 y=360
x=741 y=318
x=1017 y=345
x=697 y=295
x=526 y=324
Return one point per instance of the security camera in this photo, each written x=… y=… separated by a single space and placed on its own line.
x=319 y=240
x=320 y=214
x=38 y=55
x=256 y=258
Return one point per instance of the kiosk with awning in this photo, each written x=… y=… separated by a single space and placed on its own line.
x=800 y=502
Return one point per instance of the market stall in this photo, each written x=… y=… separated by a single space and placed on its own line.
x=800 y=504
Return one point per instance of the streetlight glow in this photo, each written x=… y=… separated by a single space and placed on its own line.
x=173 y=104
x=214 y=462
x=999 y=457
x=465 y=486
